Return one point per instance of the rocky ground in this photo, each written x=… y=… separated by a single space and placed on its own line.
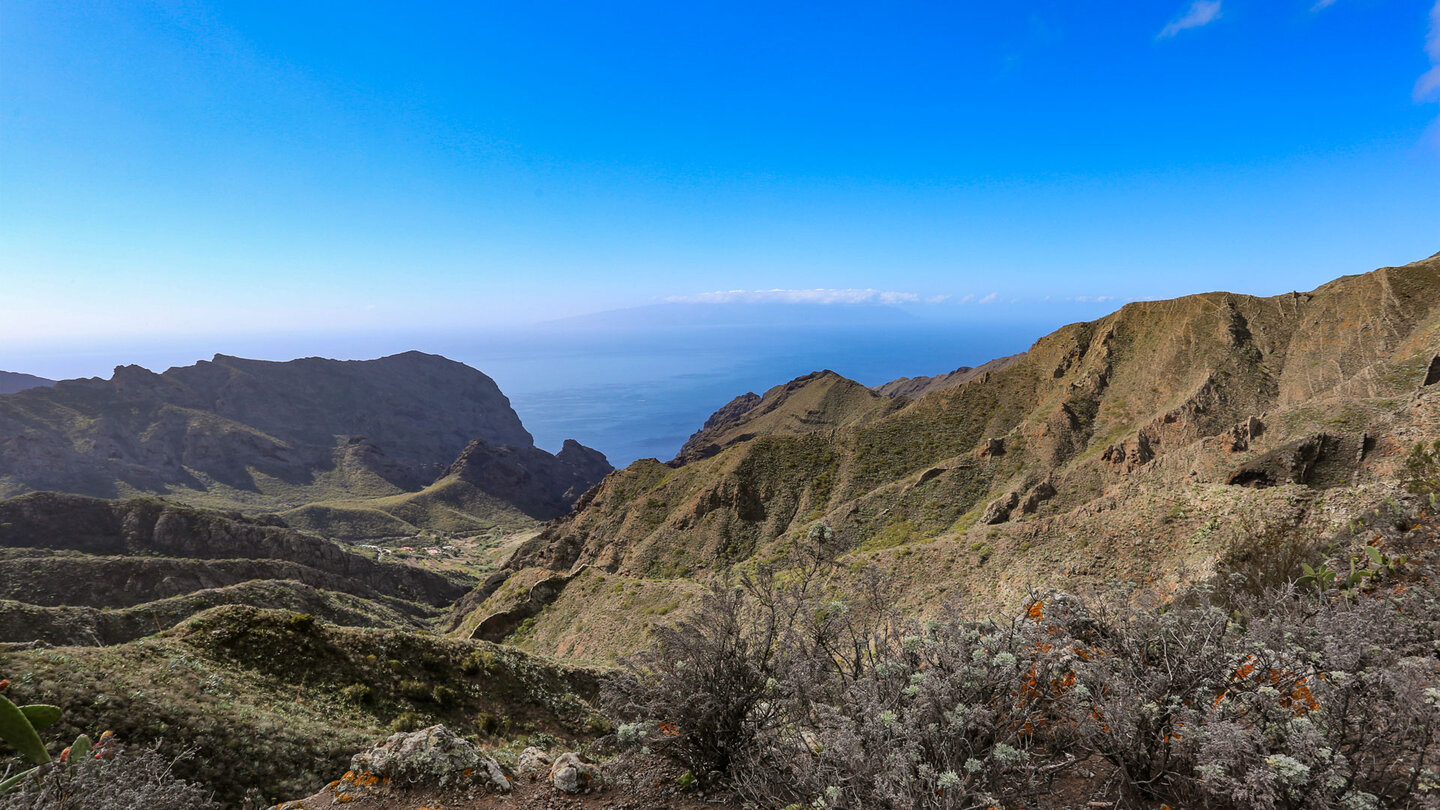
x=434 y=769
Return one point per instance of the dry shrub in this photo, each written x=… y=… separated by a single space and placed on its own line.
x=136 y=778
x=1280 y=697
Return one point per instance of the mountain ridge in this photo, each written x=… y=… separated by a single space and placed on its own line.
x=13 y=382
x=261 y=434
x=1238 y=406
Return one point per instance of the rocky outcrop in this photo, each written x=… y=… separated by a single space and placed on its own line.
x=434 y=755
x=502 y=623
x=999 y=510
x=1292 y=463
x=539 y=484
x=1037 y=495
x=704 y=442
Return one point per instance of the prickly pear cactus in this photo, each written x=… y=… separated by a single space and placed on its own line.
x=17 y=729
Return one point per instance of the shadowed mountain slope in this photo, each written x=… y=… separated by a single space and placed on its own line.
x=12 y=382
x=271 y=436
x=1218 y=411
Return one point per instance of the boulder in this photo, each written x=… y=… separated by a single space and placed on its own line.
x=999 y=510
x=1040 y=493
x=572 y=774
x=435 y=755
x=533 y=762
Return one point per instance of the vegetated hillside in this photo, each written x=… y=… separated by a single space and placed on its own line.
x=916 y=387
x=79 y=570
x=273 y=704
x=1132 y=449
x=13 y=382
x=272 y=436
x=813 y=402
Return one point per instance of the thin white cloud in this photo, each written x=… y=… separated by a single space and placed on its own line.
x=1428 y=87
x=797 y=297
x=1323 y=4
x=1202 y=12
x=989 y=299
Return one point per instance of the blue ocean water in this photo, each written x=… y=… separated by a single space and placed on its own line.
x=642 y=395
x=631 y=392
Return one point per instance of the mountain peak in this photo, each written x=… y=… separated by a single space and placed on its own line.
x=819 y=400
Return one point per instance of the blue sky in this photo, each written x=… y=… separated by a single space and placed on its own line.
x=207 y=168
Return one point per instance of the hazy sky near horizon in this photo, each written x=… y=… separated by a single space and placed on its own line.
x=232 y=167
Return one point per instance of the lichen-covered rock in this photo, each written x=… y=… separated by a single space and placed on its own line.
x=572 y=774
x=435 y=755
x=533 y=762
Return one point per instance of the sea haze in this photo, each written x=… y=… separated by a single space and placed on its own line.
x=631 y=388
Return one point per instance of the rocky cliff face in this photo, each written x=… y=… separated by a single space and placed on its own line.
x=1124 y=447
x=269 y=435
x=539 y=484
x=230 y=420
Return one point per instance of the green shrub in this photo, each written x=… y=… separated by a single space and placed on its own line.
x=489 y=725
x=409 y=721
x=1422 y=471
x=480 y=661
x=414 y=690
x=356 y=693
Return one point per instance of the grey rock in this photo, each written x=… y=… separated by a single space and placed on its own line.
x=433 y=755
x=533 y=761
x=571 y=774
